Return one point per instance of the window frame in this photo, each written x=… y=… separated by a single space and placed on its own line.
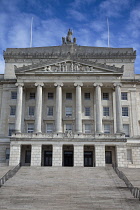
x=87 y=111
x=32 y=95
x=51 y=129
x=49 y=110
x=107 y=131
x=125 y=111
x=31 y=112
x=68 y=96
x=68 y=113
x=106 y=112
x=106 y=96
x=124 y=96
x=13 y=94
x=68 y=124
x=12 y=110
x=50 y=95
x=11 y=130
x=87 y=130
x=87 y=96
x=30 y=130
x=127 y=134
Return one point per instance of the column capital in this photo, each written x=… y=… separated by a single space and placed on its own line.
x=78 y=84
x=117 y=84
x=19 y=84
x=58 y=84
x=97 y=84
x=39 y=84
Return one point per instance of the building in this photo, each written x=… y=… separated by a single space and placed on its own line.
x=70 y=105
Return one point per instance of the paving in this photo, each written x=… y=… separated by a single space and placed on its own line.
x=66 y=188
x=133 y=175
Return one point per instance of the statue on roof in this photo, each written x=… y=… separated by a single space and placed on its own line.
x=68 y=38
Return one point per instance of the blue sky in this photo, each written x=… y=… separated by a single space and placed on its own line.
x=53 y=18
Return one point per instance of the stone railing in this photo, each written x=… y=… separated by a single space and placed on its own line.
x=135 y=191
x=9 y=174
x=70 y=135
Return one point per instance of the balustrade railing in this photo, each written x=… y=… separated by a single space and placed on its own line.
x=9 y=174
x=135 y=191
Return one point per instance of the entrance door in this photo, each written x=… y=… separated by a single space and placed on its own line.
x=47 y=158
x=108 y=157
x=68 y=158
x=88 y=159
x=28 y=156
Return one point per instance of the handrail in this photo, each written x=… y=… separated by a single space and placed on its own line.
x=9 y=174
x=135 y=191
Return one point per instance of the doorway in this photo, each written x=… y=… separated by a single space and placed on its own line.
x=88 y=158
x=47 y=154
x=108 y=157
x=25 y=155
x=68 y=155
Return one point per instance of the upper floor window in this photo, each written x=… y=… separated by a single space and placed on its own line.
x=50 y=96
x=124 y=111
x=68 y=127
x=87 y=111
x=106 y=128
x=69 y=96
x=105 y=111
x=31 y=110
x=87 y=128
x=49 y=128
x=12 y=110
x=13 y=95
x=68 y=110
x=11 y=129
x=30 y=128
x=124 y=96
x=126 y=129
x=50 y=110
x=105 y=96
x=32 y=95
x=87 y=96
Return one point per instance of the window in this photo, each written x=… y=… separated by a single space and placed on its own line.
x=126 y=129
x=105 y=111
x=11 y=128
x=87 y=96
x=7 y=153
x=68 y=127
x=106 y=128
x=124 y=96
x=87 y=111
x=129 y=155
x=49 y=128
x=69 y=96
x=87 y=128
x=124 y=111
x=105 y=96
x=50 y=96
x=32 y=95
x=31 y=110
x=69 y=111
x=14 y=95
x=50 y=110
x=30 y=128
x=12 y=110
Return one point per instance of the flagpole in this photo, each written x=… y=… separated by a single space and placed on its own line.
x=108 y=32
x=31 y=38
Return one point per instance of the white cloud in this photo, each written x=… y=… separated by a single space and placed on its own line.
x=74 y=14
x=113 y=8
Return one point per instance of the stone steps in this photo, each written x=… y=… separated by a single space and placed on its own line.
x=66 y=188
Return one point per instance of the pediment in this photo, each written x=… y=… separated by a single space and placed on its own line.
x=68 y=66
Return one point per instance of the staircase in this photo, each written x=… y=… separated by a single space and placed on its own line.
x=66 y=188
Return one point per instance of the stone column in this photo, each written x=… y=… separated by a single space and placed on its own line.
x=78 y=107
x=58 y=107
x=99 y=128
x=119 y=126
x=38 y=110
x=99 y=155
x=15 y=153
x=19 y=107
x=36 y=155
x=57 y=155
x=78 y=155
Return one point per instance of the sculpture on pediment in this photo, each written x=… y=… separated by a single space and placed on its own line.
x=68 y=39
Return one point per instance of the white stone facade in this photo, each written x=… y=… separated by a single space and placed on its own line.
x=70 y=105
